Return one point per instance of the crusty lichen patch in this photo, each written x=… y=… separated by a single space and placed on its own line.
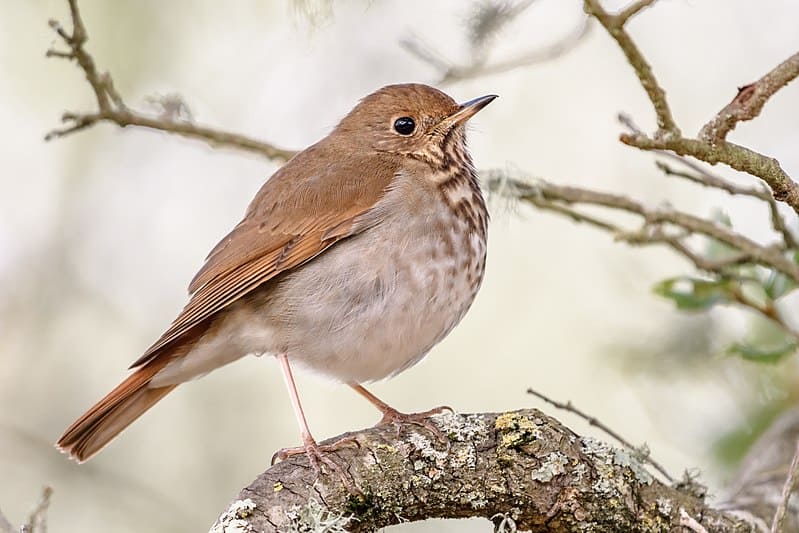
x=234 y=519
x=314 y=518
x=463 y=428
x=631 y=461
x=553 y=465
x=515 y=430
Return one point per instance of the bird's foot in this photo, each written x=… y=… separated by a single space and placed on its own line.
x=397 y=419
x=317 y=456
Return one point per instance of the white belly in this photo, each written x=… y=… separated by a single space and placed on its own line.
x=368 y=307
x=380 y=301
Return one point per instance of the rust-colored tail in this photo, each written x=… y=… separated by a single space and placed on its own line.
x=120 y=407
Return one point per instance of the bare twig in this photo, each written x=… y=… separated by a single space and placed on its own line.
x=711 y=180
x=767 y=310
x=450 y=72
x=542 y=194
x=593 y=421
x=711 y=146
x=614 y=24
x=668 y=227
x=37 y=520
x=5 y=525
x=750 y=100
x=787 y=490
x=111 y=107
x=708 y=179
x=738 y=157
x=633 y=9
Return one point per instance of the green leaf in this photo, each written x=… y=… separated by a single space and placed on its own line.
x=777 y=285
x=692 y=294
x=762 y=354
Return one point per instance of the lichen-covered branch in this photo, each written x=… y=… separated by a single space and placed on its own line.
x=111 y=107
x=522 y=467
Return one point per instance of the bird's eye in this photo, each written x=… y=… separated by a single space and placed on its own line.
x=404 y=125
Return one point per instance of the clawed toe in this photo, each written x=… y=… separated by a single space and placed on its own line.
x=396 y=418
x=317 y=457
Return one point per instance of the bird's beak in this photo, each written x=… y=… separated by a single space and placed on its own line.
x=467 y=110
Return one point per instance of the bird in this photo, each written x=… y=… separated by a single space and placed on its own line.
x=352 y=261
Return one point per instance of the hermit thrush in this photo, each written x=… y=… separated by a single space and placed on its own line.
x=353 y=260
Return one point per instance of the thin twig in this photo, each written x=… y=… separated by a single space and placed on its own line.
x=112 y=108
x=541 y=192
x=633 y=9
x=614 y=25
x=711 y=180
x=738 y=157
x=535 y=56
x=708 y=179
x=711 y=146
x=787 y=490
x=750 y=100
x=5 y=525
x=37 y=521
x=767 y=309
x=656 y=230
x=593 y=421
x=450 y=72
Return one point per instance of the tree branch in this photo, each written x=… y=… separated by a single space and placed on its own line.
x=614 y=25
x=711 y=146
x=750 y=100
x=734 y=156
x=641 y=452
x=546 y=195
x=787 y=489
x=521 y=466
x=111 y=107
x=492 y=17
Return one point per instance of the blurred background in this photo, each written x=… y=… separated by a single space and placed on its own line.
x=101 y=231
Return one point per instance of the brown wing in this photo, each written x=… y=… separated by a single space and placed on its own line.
x=304 y=208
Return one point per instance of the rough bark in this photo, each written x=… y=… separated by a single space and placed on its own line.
x=522 y=467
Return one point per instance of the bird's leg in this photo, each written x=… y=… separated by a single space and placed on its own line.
x=392 y=416
x=314 y=451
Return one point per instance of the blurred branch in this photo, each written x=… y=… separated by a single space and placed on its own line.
x=711 y=146
x=758 y=488
x=787 y=489
x=5 y=525
x=486 y=23
x=521 y=467
x=37 y=520
x=112 y=108
x=641 y=452
x=664 y=226
x=546 y=195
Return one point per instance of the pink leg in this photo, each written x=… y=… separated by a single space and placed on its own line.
x=392 y=416
x=288 y=378
x=315 y=452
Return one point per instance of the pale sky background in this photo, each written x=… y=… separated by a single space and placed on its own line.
x=100 y=233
